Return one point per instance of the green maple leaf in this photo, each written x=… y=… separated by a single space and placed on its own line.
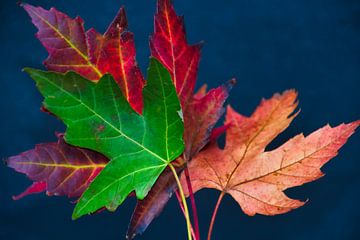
x=98 y=117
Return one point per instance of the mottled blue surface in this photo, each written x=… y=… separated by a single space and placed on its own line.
x=269 y=46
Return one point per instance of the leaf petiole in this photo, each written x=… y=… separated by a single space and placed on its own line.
x=177 y=194
x=221 y=196
x=183 y=199
x=193 y=203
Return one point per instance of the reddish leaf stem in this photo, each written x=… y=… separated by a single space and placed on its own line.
x=214 y=215
x=193 y=203
x=183 y=211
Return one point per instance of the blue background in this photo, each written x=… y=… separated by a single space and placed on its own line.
x=268 y=45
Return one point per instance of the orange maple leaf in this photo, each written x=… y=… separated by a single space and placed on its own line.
x=256 y=178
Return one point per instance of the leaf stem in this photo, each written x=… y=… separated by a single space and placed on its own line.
x=193 y=203
x=183 y=211
x=222 y=194
x=183 y=199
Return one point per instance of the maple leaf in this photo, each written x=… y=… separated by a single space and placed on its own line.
x=58 y=168
x=169 y=45
x=149 y=208
x=90 y=54
x=201 y=110
x=256 y=178
x=114 y=53
x=200 y=117
x=146 y=210
x=98 y=117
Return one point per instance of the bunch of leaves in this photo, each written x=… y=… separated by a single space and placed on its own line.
x=129 y=136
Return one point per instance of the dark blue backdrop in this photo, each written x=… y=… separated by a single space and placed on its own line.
x=268 y=45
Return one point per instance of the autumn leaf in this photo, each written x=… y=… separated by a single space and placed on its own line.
x=86 y=53
x=169 y=45
x=35 y=187
x=64 y=38
x=146 y=210
x=58 y=168
x=201 y=116
x=256 y=178
x=151 y=207
x=90 y=54
x=201 y=110
x=114 y=53
x=98 y=117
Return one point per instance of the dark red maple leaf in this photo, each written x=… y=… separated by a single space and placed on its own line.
x=90 y=54
x=58 y=168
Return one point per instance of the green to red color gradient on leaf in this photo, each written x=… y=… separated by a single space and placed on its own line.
x=58 y=168
x=98 y=117
x=89 y=53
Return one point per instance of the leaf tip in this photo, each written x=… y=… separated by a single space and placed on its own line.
x=230 y=84
x=26 y=69
x=356 y=123
x=75 y=215
x=5 y=161
x=27 y=7
x=120 y=21
x=130 y=235
x=290 y=93
x=22 y=4
x=230 y=110
x=200 y=45
x=31 y=71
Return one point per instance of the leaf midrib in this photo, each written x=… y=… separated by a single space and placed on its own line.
x=63 y=165
x=263 y=126
x=298 y=161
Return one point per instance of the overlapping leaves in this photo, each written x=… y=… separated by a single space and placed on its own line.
x=98 y=117
x=130 y=133
x=201 y=110
x=89 y=53
x=92 y=55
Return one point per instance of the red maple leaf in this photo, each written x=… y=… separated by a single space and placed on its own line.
x=90 y=54
x=58 y=168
